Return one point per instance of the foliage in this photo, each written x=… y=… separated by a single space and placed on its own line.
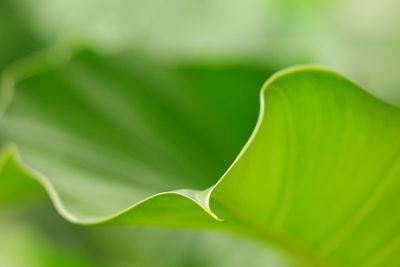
x=114 y=141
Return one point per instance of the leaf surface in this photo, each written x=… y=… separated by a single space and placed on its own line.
x=113 y=142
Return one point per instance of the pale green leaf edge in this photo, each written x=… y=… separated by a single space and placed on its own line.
x=201 y=198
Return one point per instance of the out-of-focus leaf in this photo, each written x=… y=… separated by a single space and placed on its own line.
x=359 y=38
x=151 y=247
x=23 y=245
x=318 y=174
x=37 y=236
x=17 y=39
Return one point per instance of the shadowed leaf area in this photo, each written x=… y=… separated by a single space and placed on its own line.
x=17 y=39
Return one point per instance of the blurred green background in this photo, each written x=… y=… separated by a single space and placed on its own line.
x=360 y=39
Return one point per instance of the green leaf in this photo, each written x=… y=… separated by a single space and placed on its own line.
x=17 y=37
x=321 y=171
x=24 y=245
x=148 y=136
x=319 y=175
